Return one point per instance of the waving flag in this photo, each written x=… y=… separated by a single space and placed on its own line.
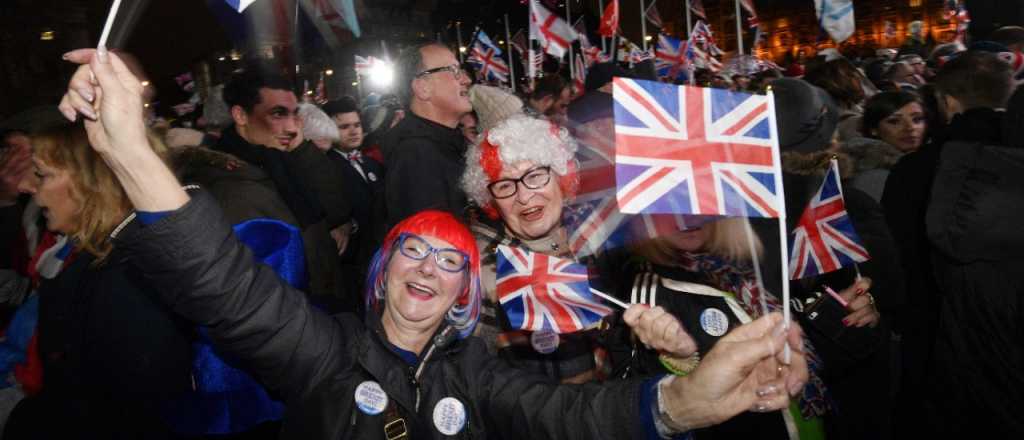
x=610 y=20
x=591 y=54
x=239 y=5
x=554 y=34
x=488 y=63
x=481 y=37
x=539 y=291
x=670 y=57
x=652 y=15
x=691 y=150
x=824 y=239
x=836 y=18
x=366 y=65
x=697 y=6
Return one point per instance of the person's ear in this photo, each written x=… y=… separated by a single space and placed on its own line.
x=239 y=115
x=421 y=89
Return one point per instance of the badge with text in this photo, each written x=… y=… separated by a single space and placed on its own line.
x=449 y=416
x=371 y=398
x=371 y=176
x=544 y=341
x=714 y=322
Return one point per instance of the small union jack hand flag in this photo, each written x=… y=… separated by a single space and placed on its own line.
x=824 y=239
x=692 y=150
x=539 y=291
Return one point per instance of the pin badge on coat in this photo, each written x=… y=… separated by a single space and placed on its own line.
x=449 y=416
x=544 y=341
x=714 y=322
x=371 y=398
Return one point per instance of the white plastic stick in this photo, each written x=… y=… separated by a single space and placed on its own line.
x=110 y=23
x=609 y=298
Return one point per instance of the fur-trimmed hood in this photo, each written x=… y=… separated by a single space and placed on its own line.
x=870 y=154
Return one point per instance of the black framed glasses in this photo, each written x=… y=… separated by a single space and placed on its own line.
x=532 y=179
x=448 y=259
x=453 y=68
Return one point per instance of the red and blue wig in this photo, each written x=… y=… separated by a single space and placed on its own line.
x=441 y=225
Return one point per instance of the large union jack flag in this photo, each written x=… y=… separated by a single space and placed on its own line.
x=692 y=150
x=539 y=291
x=824 y=239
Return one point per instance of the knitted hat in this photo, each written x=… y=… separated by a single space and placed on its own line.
x=515 y=140
x=807 y=116
x=493 y=105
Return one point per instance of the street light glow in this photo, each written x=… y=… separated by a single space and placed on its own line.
x=462 y=49
x=329 y=72
x=648 y=38
x=381 y=74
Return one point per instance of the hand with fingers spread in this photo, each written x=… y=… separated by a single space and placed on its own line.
x=659 y=330
x=744 y=371
x=861 y=304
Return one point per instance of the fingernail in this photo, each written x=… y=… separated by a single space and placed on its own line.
x=65 y=56
x=86 y=93
x=88 y=112
x=846 y=322
x=761 y=407
x=780 y=328
x=101 y=53
x=860 y=291
x=764 y=391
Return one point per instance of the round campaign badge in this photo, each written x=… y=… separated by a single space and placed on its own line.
x=449 y=416
x=371 y=176
x=544 y=341
x=714 y=322
x=371 y=398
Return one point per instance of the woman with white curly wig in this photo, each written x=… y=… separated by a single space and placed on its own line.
x=521 y=173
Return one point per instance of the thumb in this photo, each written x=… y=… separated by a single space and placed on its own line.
x=745 y=354
x=755 y=329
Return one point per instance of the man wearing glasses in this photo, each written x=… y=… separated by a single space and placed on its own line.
x=424 y=153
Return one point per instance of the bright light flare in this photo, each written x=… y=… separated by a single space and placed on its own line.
x=381 y=75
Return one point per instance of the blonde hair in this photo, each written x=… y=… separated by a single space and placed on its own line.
x=102 y=203
x=728 y=239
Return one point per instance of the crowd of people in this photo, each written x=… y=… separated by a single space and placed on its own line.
x=294 y=270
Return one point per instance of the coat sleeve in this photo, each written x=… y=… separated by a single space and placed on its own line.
x=320 y=176
x=884 y=269
x=205 y=274
x=414 y=180
x=520 y=405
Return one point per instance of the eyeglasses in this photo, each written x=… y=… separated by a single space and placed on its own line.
x=415 y=247
x=533 y=179
x=453 y=68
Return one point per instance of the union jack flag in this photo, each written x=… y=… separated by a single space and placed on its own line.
x=824 y=239
x=670 y=57
x=539 y=291
x=488 y=62
x=691 y=150
x=366 y=65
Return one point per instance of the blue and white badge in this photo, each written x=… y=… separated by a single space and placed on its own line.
x=714 y=322
x=371 y=176
x=449 y=416
x=544 y=341
x=371 y=398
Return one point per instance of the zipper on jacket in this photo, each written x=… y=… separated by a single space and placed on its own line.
x=441 y=340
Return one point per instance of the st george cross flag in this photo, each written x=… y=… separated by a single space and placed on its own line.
x=539 y=291
x=554 y=34
x=670 y=57
x=610 y=20
x=824 y=239
x=489 y=64
x=239 y=5
x=692 y=150
x=836 y=18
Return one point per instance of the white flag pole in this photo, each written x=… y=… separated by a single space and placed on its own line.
x=568 y=20
x=689 y=21
x=643 y=26
x=508 y=53
x=109 y=24
x=739 y=29
x=781 y=195
x=458 y=37
x=609 y=298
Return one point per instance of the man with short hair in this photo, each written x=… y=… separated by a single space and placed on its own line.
x=424 y=153
x=267 y=133
x=550 y=98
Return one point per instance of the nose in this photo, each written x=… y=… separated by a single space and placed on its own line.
x=428 y=265
x=523 y=194
x=464 y=78
x=293 y=124
x=27 y=184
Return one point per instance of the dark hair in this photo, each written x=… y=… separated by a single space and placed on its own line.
x=345 y=104
x=13 y=132
x=976 y=79
x=410 y=63
x=550 y=85
x=840 y=79
x=935 y=122
x=243 y=89
x=1008 y=35
x=884 y=104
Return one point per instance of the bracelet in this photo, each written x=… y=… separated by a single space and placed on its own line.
x=679 y=366
x=664 y=418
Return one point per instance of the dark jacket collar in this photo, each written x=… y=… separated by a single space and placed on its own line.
x=976 y=125
x=232 y=143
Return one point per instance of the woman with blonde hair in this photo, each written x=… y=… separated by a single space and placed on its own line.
x=112 y=355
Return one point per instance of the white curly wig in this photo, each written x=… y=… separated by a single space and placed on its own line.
x=316 y=123
x=514 y=140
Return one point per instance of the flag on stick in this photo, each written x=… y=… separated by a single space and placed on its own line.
x=554 y=34
x=610 y=20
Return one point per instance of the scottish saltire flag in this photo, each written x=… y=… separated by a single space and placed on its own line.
x=824 y=239
x=481 y=37
x=836 y=18
x=489 y=64
x=539 y=291
x=670 y=57
x=692 y=150
x=239 y=5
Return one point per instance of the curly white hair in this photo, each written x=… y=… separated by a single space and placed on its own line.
x=517 y=139
x=316 y=123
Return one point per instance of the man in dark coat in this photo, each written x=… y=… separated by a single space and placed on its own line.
x=424 y=154
x=267 y=133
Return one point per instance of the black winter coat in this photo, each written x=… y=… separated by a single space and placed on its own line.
x=316 y=361
x=425 y=161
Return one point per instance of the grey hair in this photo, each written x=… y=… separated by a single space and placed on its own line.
x=316 y=123
x=518 y=139
x=410 y=63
